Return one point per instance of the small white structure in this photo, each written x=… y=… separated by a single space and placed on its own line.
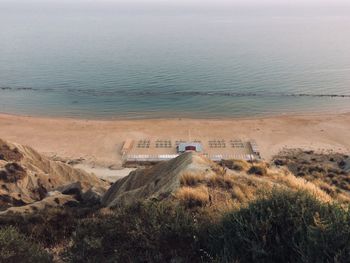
x=189 y=146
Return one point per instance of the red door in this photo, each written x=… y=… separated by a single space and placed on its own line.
x=190 y=148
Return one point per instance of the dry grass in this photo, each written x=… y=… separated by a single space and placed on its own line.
x=224 y=189
x=324 y=186
x=237 y=165
x=193 y=196
x=217 y=192
x=191 y=179
x=316 y=167
x=217 y=169
x=220 y=201
x=332 y=190
x=298 y=183
x=221 y=181
x=238 y=194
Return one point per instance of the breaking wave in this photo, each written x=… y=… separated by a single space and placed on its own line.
x=98 y=92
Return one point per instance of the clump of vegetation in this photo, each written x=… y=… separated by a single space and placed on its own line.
x=50 y=227
x=221 y=181
x=15 y=247
x=238 y=193
x=283 y=227
x=236 y=165
x=144 y=232
x=191 y=179
x=217 y=215
x=258 y=170
x=193 y=196
x=328 y=171
x=279 y=226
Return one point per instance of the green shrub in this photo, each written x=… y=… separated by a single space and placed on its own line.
x=15 y=248
x=257 y=170
x=49 y=227
x=151 y=232
x=283 y=227
x=277 y=227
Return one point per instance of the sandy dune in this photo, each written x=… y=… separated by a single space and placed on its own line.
x=27 y=177
x=99 y=141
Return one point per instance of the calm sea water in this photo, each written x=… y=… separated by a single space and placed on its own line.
x=110 y=62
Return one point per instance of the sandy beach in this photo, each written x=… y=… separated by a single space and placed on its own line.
x=98 y=142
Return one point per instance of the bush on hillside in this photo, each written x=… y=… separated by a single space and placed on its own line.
x=49 y=227
x=237 y=165
x=151 y=232
x=257 y=170
x=191 y=197
x=278 y=227
x=283 y=227
x=15 y=247
x=221 y=181
x=192 y=179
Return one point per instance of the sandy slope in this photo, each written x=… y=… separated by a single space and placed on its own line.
x=99 y=142
x=27 y=176
x=160 y=180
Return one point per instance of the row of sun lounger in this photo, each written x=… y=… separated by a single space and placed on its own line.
x=217 y=144
x=164 y=157
x=143 y=144
x=211 y=143
x=163 y=144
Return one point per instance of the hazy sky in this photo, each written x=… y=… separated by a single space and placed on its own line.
x=198 y=2
x=254 y=7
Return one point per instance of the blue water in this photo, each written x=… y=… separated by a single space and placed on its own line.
x=113 y=62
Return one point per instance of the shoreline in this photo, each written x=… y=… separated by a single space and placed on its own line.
x=233 y=118
x=98 y=142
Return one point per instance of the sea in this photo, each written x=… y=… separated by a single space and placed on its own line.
x=135 y=60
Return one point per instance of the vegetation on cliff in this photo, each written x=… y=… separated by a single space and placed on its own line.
x=186 y=210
